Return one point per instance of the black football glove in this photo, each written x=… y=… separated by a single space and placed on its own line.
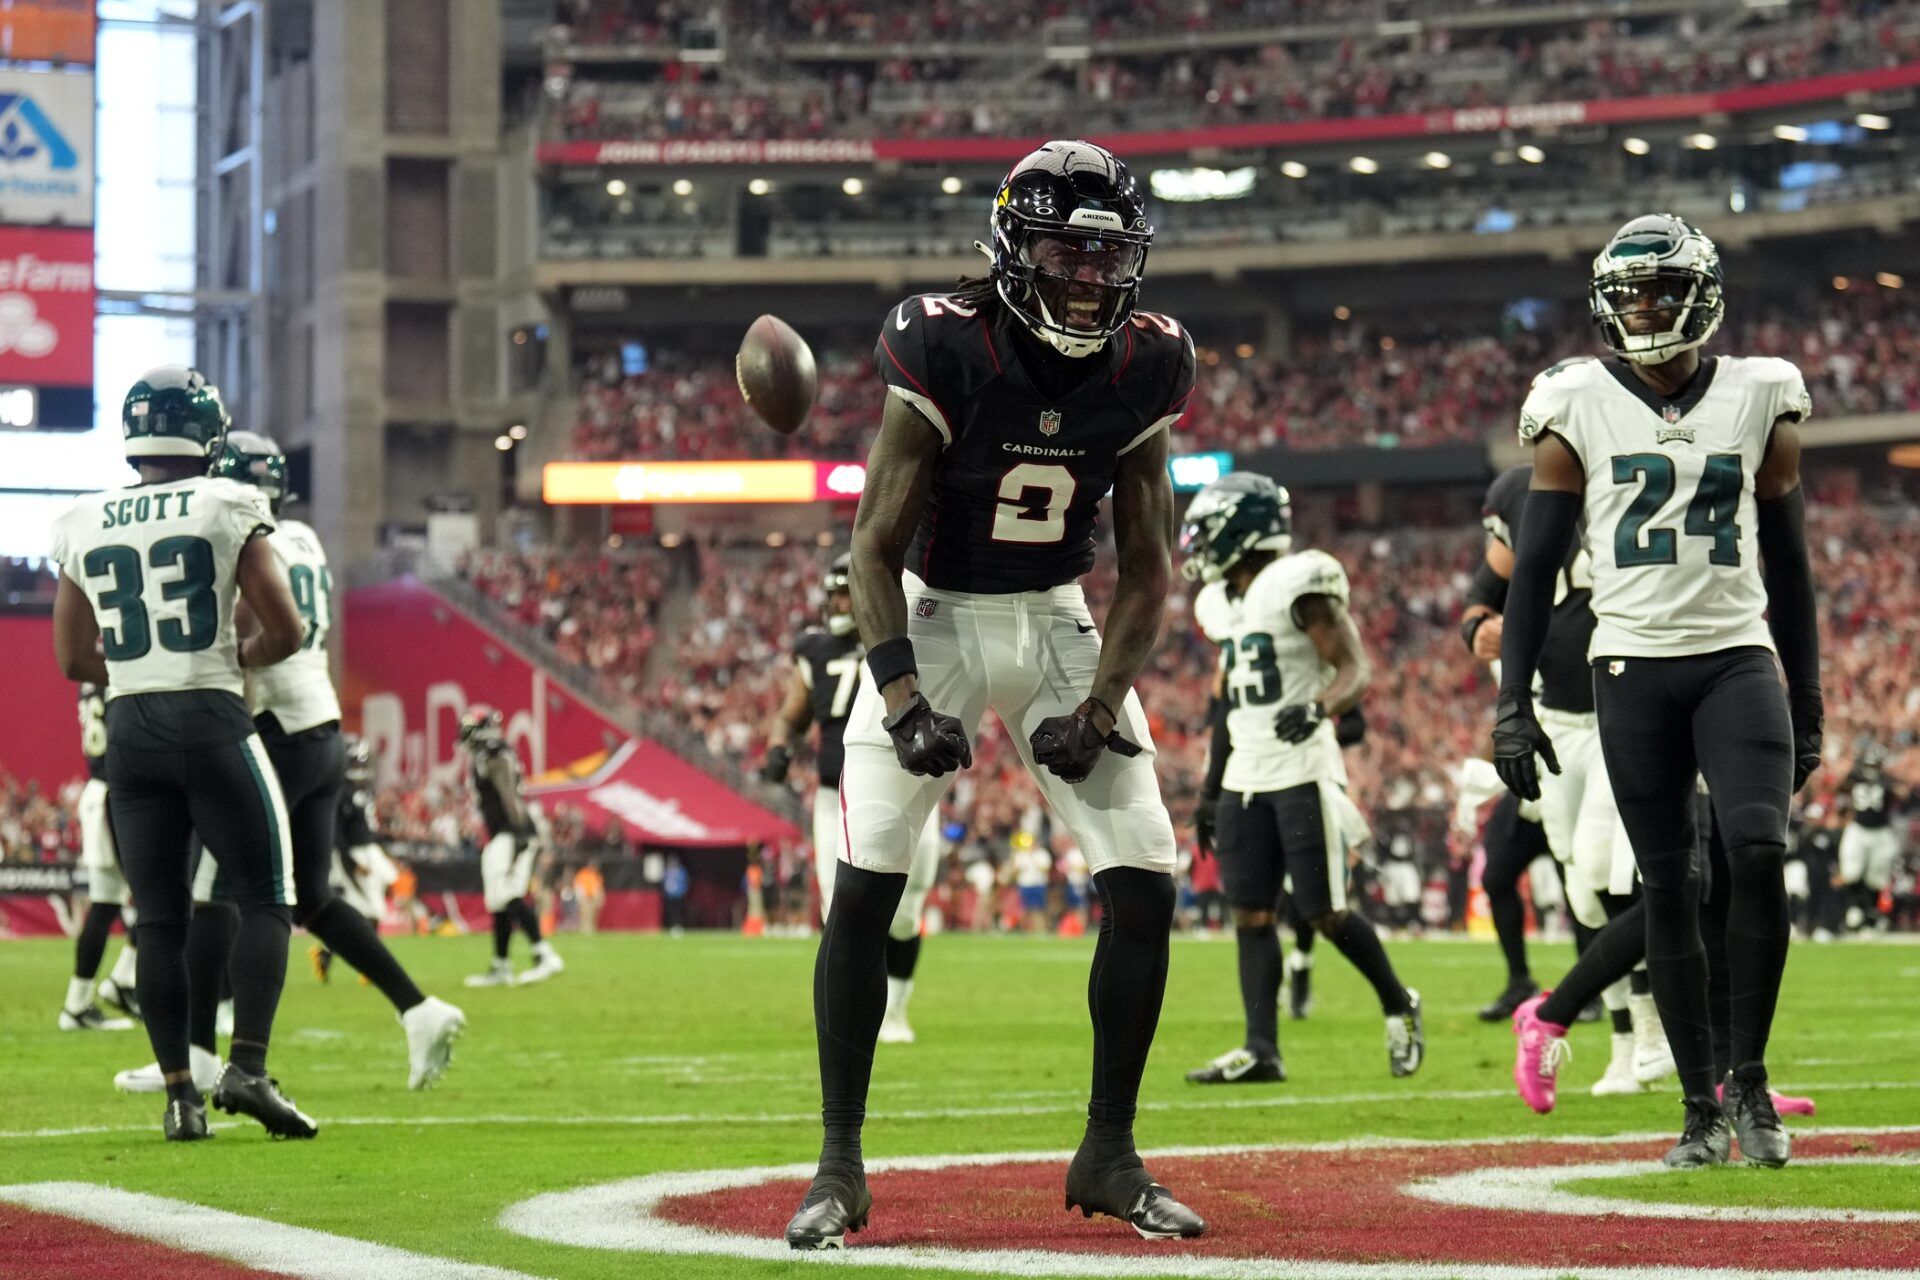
x=1809 y=713
x=928 y=744
x=1204 y=818
x=1296 y=723
x=1069 y=746
x=778 y=761
x=1517 y=739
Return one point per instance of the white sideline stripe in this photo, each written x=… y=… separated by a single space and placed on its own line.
x=945 y=1113
x=256 y=1242
x=1539 y=1191
x=620 y=1216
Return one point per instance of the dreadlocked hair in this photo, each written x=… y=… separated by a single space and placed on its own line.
x=976 y=291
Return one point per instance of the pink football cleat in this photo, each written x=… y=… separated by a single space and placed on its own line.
x=1785 y=1103
x=1542 y=1050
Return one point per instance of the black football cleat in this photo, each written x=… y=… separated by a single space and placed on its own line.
x=1120 y=1187
x=1240 y=1066
x=1756 y=1125
x=837 y=1203
x=1299 y=989
x=1705 y=1139
x=1591 y=1013
x=1516 y=994
x=240 y=1094
x=125 y=999
x=185 y=1122
x=1407 y=1038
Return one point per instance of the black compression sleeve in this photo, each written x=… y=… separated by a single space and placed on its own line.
x=1545 y=533
x=1792 y=615
x=1487 y=588
x=1218 y=752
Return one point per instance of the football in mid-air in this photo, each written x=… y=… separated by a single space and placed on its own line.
x=776 y=373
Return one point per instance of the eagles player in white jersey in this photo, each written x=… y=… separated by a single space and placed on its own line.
x=106 y=891
x=826 y=669
x=298 y=714
x=150 y=578
x=1687 y=470
x=1291 y=665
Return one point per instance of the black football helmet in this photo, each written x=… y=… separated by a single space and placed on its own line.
x=1070 y=241
x=480 y=730
x=838 y=584
x=359 y=759
x=251 y=458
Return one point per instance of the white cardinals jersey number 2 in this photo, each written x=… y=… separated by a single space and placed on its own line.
x=299 y=691
x=1672 y=526
x=1270 y=662
x=158 y=563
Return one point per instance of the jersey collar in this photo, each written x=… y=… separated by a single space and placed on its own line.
x=1681 y=405
x=1099 y=369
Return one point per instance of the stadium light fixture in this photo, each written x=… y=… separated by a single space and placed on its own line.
x=1244 y=351
x=951 y=185
x=1342 y=313
x=824 y=538
x=615 y=187
x=1293 y=169
x=1437 y=160
x=1530 y=153
x=503 y=443
x=1842 y=283
x=669 y=540
x=1364 y=164
x=1191 y=185
x=1789 y=133
x=776 y=539
x=1888 y=280
x=759 y=187
x=853 y=186
x=518 y=431
x=1636 y=146
x=682 y=187
x=1700 y=142
x=1871 y=120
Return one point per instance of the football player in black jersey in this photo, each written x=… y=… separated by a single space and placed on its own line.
x=826 y=668
x=106 y=891
x=1014 y=406
x=1578 y=816
x=506 y=863
x=1869 y=843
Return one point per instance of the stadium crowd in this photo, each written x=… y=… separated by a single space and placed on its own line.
x=932 y=93
x=1358 y=384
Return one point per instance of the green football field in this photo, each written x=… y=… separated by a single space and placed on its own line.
x=654 y=1054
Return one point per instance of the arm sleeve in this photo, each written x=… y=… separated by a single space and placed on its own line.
x=1545 y=534
x=1792 y=614
x=1217 y=753
x=1487 y=588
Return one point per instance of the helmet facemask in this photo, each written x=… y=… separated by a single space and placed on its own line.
x=1656 y=289
x=1073 y=287
x=1226 y=524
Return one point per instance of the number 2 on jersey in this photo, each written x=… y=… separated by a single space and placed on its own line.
x=1259 y=685
x=132 y=637
x=1709 y=515
x=1017 y=520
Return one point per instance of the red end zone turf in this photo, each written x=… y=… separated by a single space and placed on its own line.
x=44 y=1246
x=1337 y=1206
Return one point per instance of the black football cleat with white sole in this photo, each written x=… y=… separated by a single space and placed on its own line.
x=240 y=1094
x=837 y=1204
x=1120 y=1187
x=1516 y=994
x=185 y=1122
x=1407 y=1038
x=1756 y=1125
x=1240 y=1066
x=1705 y=1137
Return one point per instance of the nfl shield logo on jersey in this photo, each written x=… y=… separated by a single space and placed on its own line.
x=923 y=607
x=1049 y=422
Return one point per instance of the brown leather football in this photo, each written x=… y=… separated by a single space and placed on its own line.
x=776 y=373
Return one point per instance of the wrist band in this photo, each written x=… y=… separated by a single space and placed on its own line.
x=1471 y=626
x=891 y=659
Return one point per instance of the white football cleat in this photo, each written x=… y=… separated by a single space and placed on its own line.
x=1619 y=1074
x=1652 y=1057
x=432 y=1026
x=147 y=1079
x=895 y=1029
x=500 y=975
x=91 y=1019
x=546 y=964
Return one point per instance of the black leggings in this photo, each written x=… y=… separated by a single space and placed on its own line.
x=312 y=768
x=1512 y=844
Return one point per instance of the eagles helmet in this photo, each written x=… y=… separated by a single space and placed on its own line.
x=359 y=760
x=839 y=581
x=1656 y=289
x=1242 y=511
x=251 y=458
x=173 y=412
x=480 y=730
x=1070 y=240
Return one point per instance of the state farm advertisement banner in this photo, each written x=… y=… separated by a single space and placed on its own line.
x=46 y=306
x=40 y=707
x=46 y=147
x=1465 y=120
x=415 y=664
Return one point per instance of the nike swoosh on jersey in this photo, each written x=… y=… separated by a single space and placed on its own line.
x=900 y=316
x=1083 y=630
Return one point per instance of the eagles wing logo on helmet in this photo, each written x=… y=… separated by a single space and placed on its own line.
x=1070 y=241
x=1656 y=289
x=251 y=458
x=173 y=412
x=1238 y=513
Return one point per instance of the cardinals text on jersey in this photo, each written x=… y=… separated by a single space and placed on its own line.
x=1670 y=516
x=1270 y=661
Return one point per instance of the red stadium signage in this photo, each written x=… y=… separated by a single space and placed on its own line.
x=46 y=306
x=1543 y=115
